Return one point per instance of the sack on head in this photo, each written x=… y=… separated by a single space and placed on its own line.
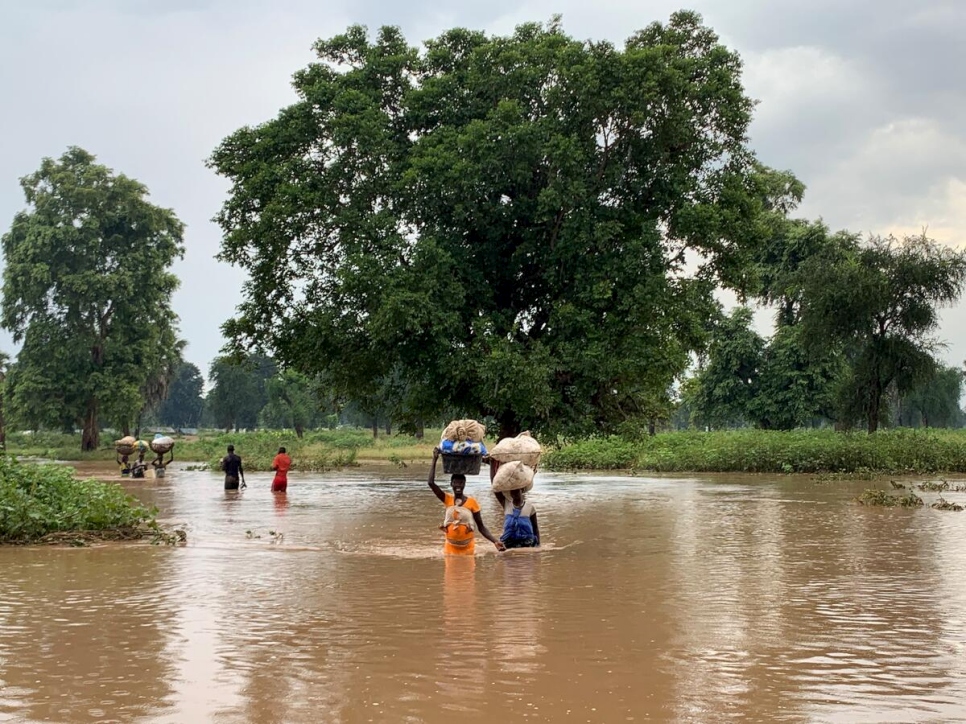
x=512 y=476
x=522 y=448
x=463 y=430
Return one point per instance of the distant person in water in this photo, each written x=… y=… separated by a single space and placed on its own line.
x=234 y=473
x=462 y=516
x=124 y=465
x=281 y=465
x=138 y=467
x=159 y=463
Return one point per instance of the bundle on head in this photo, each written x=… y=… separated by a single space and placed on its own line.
x=463 y=430
x=522 y=448
x=161 y=444
x=125 y=446
x=513 y=475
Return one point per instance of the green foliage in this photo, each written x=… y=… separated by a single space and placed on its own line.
x=238 y=391
x=37 y=501
x=935 y=402
x=873 y=496
x=292 y=402
x=880 y=301
x=498 y=225
x=86 y=289
x=761 y=451
x=184 y=403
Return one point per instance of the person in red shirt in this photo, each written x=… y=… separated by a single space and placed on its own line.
x=281 y=465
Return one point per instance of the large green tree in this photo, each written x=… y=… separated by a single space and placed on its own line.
x=498 y=225
x=87 y=290
x=879 y=301
x=239 y=390
x=292 y=402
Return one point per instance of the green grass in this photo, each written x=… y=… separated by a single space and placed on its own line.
x=895 y=452
x=46 y=503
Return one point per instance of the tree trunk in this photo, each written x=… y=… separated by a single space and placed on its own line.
x=652 y=427
x=375 y=428
x=420 y=431
x=388 y=428
x=126 y=430
x=299 y=431
x=91 y=438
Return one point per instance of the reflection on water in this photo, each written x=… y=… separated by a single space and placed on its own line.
x=664 y=599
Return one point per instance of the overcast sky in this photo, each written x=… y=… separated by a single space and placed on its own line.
x=863 y=99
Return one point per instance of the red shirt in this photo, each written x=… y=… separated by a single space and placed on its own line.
x=281 y=465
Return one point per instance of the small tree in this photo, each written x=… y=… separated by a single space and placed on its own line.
x=184 y=404
x=292 y=402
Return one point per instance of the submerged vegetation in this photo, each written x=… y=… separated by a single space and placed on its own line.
x=47 y=504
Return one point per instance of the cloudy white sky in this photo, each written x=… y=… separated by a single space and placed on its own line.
x=863 y=99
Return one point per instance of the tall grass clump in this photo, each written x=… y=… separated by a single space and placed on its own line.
x=45 y=503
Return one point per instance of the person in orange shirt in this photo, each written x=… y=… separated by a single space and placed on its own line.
x=281 y=465
x=462 y=516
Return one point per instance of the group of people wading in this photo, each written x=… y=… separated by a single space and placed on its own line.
x=463 y=516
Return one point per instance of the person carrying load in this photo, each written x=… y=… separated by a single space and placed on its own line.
x=510 y=483
x=463 y=516
x=160 y=445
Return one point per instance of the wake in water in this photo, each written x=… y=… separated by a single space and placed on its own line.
x=425 y=551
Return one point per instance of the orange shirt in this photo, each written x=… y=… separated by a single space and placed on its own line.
x=460 y=539
x=281 y=464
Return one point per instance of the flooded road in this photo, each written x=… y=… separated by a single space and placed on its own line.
x=657 y=599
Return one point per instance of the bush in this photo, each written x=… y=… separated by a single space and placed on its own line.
x=38 y=501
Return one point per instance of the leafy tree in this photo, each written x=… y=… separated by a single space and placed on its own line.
x=185 y=401
x=880 y=301
x=795 y=385
x=728 y=383
x=935 y=402
x=238 y=391
x=292 y=402
x=86 y=289
x=498 y=225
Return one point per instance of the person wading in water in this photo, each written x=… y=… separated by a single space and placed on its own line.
x=232 y=465
x=281 y=465
x=462 y=516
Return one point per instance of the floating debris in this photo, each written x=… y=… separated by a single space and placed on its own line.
x=880 y=497
x=943 y=504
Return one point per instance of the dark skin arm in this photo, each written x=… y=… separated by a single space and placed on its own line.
x=432 y=478
x=484 y=531
x=536 y=529
x=241 y=474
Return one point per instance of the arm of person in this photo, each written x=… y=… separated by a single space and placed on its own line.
x=536 y=529
x=432 y=478
x=485 y=532
x=241 y=472
x=171 y=460
x=501 y=499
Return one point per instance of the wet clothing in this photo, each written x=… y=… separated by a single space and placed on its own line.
x=517 y=527
x=281 y=464
x=460 y=538
x=232 y=465
x=137 y=470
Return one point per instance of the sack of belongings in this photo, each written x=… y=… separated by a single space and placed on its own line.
x=521 y=448
x=161 y=444
x=513 y=475
x=126 y=445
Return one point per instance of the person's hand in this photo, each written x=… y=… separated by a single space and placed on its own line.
x=435 y=453
x=499 y=545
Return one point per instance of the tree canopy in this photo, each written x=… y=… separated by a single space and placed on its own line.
x=87 y=290
x=499 y=225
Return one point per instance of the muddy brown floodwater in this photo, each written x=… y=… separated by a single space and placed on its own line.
x=703 y=599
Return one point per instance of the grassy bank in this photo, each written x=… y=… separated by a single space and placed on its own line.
x=317 y=450
x=47 y=504
x=892 y=452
